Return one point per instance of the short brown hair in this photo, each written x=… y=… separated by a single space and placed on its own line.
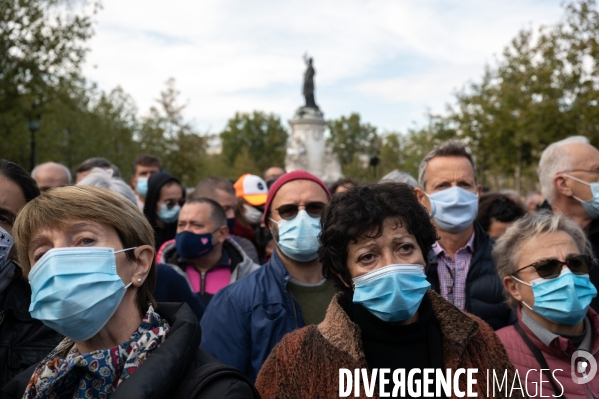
x=451 y=148
x=146 y=160
x=63 y=204
x=206 y=187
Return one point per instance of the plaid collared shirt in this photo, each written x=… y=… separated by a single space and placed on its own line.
x=453 y=273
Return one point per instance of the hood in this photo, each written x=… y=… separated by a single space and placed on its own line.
x=155 y=183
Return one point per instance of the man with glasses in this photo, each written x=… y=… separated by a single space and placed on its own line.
x=245 y=320
x=569 y=175
x=460 y=266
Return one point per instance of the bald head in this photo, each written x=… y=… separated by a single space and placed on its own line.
x=51 y=174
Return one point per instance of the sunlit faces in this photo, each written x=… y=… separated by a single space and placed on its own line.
x=394 y=246
x=558 y=245
x=171 y=194
x=79 y=233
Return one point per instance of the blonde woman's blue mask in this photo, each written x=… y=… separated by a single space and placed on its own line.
x=76 y=290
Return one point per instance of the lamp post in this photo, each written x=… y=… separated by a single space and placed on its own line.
x=33 y=123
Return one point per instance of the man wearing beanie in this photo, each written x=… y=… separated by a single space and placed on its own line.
x=246 y=319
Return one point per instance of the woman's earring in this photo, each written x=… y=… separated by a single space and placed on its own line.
x=138 y=280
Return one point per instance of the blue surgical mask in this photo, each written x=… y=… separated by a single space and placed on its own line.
x=298 y=237
x=453 y=209
x=392 y=293
x=564 y=299
x=169 y=215
x=192 y=246
x=75 y=290
x=591 y=206
x=142 y=186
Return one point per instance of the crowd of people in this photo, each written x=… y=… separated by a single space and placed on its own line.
x=267 y=286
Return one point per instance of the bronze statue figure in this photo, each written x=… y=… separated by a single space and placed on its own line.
x=308 y=90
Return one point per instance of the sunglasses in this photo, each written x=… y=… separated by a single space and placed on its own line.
x=551 y=268
x=171 y=203
x=289 y=211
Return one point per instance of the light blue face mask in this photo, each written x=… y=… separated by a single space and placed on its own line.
x=142 y=186
x=75 y=291
x=298 y=237
x=169 y=215
x=591 y=206
x=564 y=299
x=453 y=209
x=392 y=293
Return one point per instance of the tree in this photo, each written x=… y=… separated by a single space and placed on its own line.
x=350 y=138
x=261 y=134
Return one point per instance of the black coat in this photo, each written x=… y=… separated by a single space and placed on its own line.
x=594 y=273
x=484 y=289
x=172 y=369
x=23 y=341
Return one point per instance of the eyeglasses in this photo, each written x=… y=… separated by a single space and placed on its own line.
x=170 y=203
x=289 y=211
x=551 y=268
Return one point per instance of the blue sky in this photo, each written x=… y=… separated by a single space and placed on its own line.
x=389 y=60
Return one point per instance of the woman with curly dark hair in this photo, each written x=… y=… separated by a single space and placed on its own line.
x=375 y=242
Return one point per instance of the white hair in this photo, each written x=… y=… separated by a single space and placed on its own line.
x=555 y=160
x=102 y=178
x=400 y=177
x=64 y=168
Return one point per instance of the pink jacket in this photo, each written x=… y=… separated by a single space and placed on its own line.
x=557 y=355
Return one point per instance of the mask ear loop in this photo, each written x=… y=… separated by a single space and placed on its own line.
x=124 y=250
x=530 y=285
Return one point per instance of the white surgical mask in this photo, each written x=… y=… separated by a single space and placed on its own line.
x=252 y=215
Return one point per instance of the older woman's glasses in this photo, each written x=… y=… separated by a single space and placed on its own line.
x=551 y=268
x=289 y=211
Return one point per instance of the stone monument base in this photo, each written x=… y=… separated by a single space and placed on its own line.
x=307 y=147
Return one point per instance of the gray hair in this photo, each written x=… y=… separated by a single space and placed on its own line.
x=506 y=251
x=555 y=160
x=451 y=148
x=103 y=178
x=400 y=177
x=64 y=168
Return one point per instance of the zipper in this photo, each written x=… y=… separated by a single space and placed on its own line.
x=202 y=283
x=292 y=303
x=586 y=384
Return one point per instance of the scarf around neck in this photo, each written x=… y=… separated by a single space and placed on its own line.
x=66 y=373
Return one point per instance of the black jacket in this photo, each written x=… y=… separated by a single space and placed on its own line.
x=594 y=273
x=484 y=289
x=172 y=369
x=23 y=341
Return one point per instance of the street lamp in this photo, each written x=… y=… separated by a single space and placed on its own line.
x=33 y=122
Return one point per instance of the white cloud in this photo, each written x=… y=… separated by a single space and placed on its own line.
x=230 y=56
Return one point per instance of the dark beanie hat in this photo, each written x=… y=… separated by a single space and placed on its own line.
x=286 y=178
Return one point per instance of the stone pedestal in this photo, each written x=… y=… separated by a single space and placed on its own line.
x=307 y=147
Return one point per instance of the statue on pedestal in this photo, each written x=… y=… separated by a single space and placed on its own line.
x=308 y=89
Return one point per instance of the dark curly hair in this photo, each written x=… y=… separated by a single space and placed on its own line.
x=362 y=210
x=499 y=207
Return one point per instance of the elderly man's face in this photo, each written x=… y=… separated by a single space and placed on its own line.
x=585 y=167
x=395 y=246
x=50 y=176
x=558 y=245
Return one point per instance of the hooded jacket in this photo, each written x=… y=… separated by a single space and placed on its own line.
x=155 y=183
x=306 y=363
x=170 y=369
x=241 y=264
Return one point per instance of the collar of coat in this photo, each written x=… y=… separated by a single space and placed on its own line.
x=457 y=329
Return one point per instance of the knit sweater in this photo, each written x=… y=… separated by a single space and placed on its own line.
x=306 y=363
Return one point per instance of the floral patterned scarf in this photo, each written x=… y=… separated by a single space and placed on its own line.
x=66 y=373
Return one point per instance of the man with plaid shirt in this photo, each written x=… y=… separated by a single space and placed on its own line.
x=460 y=266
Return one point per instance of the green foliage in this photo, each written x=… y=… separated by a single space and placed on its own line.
x=262 y=135
x=350 y=138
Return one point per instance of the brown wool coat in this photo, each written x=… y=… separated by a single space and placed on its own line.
x=306 y=363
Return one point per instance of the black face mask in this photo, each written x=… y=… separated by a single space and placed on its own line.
x=263 y=236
